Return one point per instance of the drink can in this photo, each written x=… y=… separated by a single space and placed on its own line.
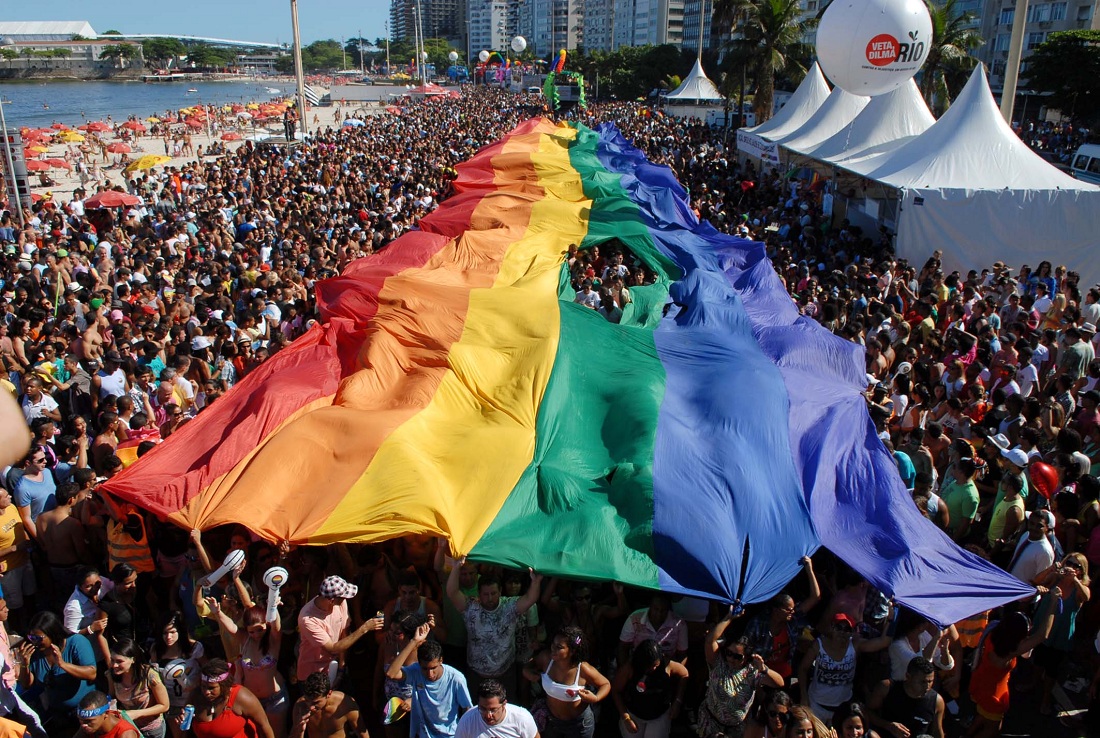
x=188 y=716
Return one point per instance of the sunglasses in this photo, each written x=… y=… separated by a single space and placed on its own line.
x=782 y=717
x=735 y=656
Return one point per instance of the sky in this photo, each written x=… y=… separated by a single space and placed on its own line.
x=246 y=20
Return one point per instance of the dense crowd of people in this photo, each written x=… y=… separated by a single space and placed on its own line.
x=119 y=325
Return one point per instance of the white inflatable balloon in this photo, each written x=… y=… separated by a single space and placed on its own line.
x=453 y=56
x=870 y=47
x=519 y=43
x=483 y=56
x=424 y=56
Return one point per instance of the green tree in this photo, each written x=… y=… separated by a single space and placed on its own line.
x=204 y=56
x=9 y=54
x=1067 y=65
x=111 y=32
x=119 y=52
x=953 y=40
x=772 y=33
x=161 y=50
x=78 y=37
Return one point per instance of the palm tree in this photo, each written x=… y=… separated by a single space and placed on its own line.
x=953 y=38
x=772 y=35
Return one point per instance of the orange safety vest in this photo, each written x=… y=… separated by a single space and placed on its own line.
x=971 y=629
x=122 y=548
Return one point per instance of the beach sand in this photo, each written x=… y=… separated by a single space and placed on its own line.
x=66 y=181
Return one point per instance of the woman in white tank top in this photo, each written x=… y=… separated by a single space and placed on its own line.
x=571 y=686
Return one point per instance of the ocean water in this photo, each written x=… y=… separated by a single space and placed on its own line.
x=74 y=103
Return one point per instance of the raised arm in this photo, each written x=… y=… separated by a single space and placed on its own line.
x=454 y=591
x=710 y=646
x=531 y=596
x=396 y=672
x=815 y=588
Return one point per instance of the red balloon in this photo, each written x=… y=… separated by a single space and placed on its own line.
x=1044 y=478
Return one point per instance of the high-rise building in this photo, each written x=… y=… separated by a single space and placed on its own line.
x=438 y=19
x=1043 y=19
x=692 y=27
x=550 y=25
x=488 y=25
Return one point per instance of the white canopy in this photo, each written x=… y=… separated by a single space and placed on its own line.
x=837 y=112
x=887 y=122
x=696 y=86
x=971 y=187
x=971 y=147
x=805 y=101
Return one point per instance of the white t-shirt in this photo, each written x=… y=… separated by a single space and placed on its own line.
x=517 y=723
x=1035 y=557
x=1028 y=377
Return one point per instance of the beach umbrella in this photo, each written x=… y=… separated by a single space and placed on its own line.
x=133 y=125
x=148 y=162
x=70 y=137
x=37 y=165
x=353 y=123
x=59 y=127
x=231 y=136
x=119 y=148
x=37 y=149
x=96 y=127
x=111 y=199
x=194 y=123
x=393 y=109
x=253 y=106
x=58 y=164
x=244 y=114
x=152 y=119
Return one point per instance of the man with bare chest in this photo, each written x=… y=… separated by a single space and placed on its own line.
x=61 y=536
x=322 y=713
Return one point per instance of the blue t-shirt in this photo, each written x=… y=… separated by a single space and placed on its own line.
x=905 y=469
x=62 y=690
x=40 y=496
x=435 y=705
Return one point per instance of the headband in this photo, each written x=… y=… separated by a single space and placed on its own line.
x=95 y=711
x=215 y=679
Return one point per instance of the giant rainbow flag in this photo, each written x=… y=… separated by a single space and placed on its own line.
x=702 y=445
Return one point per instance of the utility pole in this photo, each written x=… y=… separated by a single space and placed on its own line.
x=299 y=74
x=1012 y=66
x=13 y=181
x=388 y=72
x=362 y=61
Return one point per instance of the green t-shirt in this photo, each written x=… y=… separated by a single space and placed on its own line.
x=962 y=502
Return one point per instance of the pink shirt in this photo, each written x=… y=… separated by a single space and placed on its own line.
x=315 y=629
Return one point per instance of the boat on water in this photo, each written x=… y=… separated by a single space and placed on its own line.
x=192 y=90
x=274 y=91
x=5 y=101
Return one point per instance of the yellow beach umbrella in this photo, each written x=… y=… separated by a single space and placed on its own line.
x=70 y=137
x=38 y=149
x=148 y=162
x=152 y=119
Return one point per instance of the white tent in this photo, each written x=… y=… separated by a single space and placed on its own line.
x=971 y=187
x=838 y=111
x=805 y=101
x=887 y=122
x=759 y=140
x=696 y=86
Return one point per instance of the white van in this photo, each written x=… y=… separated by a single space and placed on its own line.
x=1086 y=164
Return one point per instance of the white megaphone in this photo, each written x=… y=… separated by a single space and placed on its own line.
x=274 y=578
x=234 y=559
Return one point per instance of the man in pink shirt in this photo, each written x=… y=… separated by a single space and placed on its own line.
x=322 y=626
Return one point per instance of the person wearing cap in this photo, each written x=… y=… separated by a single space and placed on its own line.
x=323 y=624
x=833 y=660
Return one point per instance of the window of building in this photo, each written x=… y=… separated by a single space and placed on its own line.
x=1007 y=15
x=1001 y=44
x=1034 y=40
x=1038 y=13
x=1084 y=12
x=1057 y=11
